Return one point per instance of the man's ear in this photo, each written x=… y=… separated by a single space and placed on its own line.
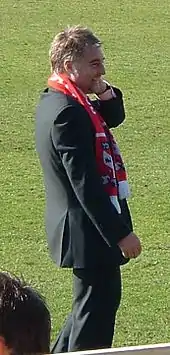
x=68 y=66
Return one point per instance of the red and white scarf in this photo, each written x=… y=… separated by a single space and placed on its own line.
x=109 y=162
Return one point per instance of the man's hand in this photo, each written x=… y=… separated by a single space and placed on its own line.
x=130 y=246
x=99 y=86
x=101 y=89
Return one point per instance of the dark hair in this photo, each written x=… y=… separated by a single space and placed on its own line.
x=25 y=322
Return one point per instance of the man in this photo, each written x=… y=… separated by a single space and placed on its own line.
x=88 y=222
x=24 y=319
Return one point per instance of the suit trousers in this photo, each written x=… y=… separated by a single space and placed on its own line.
x=96 y=299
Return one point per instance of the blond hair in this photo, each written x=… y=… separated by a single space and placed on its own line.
x=70 y=44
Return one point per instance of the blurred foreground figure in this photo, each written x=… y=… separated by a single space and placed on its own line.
x=88 y=222
x=25 y=323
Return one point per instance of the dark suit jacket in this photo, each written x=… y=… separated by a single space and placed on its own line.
x=83 y=227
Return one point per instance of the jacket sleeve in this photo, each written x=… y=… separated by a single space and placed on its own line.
x=112 y=110
x=73 y=137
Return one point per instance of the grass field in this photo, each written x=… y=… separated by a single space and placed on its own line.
x=136 y=43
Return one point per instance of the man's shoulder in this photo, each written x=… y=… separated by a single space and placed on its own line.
x=54 y=103
x=57 y=99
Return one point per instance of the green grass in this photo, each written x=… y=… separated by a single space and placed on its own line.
x=136 y=43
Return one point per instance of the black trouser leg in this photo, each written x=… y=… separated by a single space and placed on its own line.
x=60 y=345
x=97 y=295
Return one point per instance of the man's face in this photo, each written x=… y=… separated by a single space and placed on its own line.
x=88 y=69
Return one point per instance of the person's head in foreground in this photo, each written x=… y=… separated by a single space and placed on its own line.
x=25 y=323
x=77 y=53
